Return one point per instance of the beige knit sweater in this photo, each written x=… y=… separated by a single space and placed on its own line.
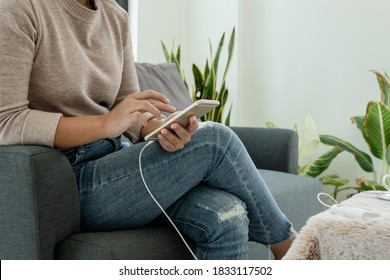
x=58 y=58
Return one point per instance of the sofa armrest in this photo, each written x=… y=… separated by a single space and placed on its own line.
x=39 y=203
x=271 y=148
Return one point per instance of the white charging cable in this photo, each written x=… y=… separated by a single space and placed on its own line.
x=158 y=204
x=327 y=195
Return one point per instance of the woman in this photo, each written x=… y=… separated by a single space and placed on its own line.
x=67 y=80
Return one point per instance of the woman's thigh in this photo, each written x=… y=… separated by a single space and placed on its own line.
x=113 y=194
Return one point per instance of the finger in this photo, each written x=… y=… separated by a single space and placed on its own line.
x=151 y=94
x=145 y=106
x=173 y=139
x=181 y=132
x=193 y=125
x=162 y=106
x=157 y=99
x=168 y=146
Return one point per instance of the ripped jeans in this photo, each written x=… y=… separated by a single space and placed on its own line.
x=210 y=189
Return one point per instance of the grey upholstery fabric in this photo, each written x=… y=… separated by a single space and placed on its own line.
x=150 y=243
x=279 y=154
x=39 y=204
x=295 y=195
x=164 y=78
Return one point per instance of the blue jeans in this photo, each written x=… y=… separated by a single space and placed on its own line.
x=210 y=189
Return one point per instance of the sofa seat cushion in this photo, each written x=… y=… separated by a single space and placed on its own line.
x=295 y=195
x=156 y=241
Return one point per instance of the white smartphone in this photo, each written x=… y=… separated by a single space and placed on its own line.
x=198 y=108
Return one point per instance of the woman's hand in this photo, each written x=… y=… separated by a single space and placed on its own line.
x=75 y=131
x=130 y=111
x=176 y=140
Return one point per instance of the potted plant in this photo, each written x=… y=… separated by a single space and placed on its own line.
x=375 y=129
x=205 y=82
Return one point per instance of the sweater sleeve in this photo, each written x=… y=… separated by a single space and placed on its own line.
x=130 y=85
x=19 y=124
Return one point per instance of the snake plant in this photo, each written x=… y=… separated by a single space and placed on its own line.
x=205 y=82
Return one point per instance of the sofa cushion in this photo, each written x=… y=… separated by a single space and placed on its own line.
x=296 y=197
x=164 y=78
x=39 y=202
x=156 y=241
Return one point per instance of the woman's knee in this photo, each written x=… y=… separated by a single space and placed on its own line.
x=229 y=223
x=212 y=211
x=227 y=234
x=233 y=220
x=215 y=134
x=215 y=128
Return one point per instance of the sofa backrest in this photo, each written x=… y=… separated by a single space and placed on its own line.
x=164 y=78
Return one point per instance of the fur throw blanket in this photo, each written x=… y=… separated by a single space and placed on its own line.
x=336 y=236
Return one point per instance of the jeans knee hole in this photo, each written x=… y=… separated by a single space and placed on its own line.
x=237 y=211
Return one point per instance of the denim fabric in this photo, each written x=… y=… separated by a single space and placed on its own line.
x=211 y=190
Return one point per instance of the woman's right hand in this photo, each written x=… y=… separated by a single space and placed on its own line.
x=75 y=131
x=130 y=111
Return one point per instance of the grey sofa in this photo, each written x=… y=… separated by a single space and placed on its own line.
x=40 y=212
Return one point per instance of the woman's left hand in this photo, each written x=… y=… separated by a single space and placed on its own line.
x=176 y=140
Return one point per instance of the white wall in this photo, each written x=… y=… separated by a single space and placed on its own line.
x=313 y=56
x=294 y=57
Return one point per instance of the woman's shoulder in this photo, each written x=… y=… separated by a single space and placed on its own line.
x=25 y=7
x=17 y=11
x=15 y=5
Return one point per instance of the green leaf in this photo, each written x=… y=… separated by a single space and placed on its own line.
x=316 y=167
x=363 y=159
x=333 y=180
x=376 y=129
x=388 y=155
x=309 y=139
x=358 y=121
x=199 y=81
x=384 y=85
x=172 y=55
x=206 y=69
x=271 y=124
x=368 y=185
x=166 y=53
x=209 y=87
x=186 y=83
x=227 y=120
x=218 y=54
x=174 y=60
x=230 y=53
x=295 y=128
x=222 y=97
x=178 y=57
